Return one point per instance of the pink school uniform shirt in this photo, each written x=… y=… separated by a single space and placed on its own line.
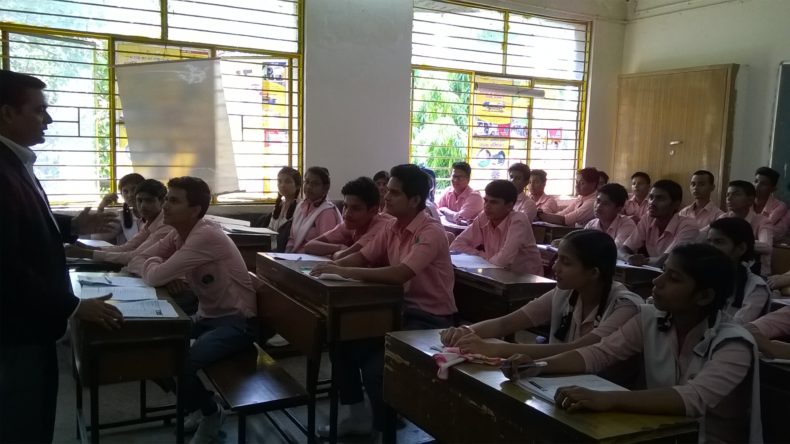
x=212 y=265
x=526 y=205
x=328 y=219
x=545 y=203
x=422 y=246
x=634 y=209
x=702 y=216
x=776 y=212
x=341 y=235
x=580 y=211
x=464 y=206
x=775 y=324
x=621 y=228
x=680 y=230
x=511 y=244
x=151 y=233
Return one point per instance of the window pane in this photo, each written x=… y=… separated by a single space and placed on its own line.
x=540 y=47
x=73 y=162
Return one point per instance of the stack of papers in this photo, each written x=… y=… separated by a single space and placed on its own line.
x=546 y=388
x=147 y=309
x=463 y=260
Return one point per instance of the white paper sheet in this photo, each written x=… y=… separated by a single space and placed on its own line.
x=118 y=293
x=248 y=230
x=462 y=260
x=94 y=243
x=624 y=264
x=147 y=309
x=546 y=388
x=108 y=280
x=330 y=277
x=300 y=257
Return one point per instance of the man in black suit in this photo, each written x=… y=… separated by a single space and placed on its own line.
x=36 y=299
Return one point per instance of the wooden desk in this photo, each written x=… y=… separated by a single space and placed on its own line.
x=143 y=348
x=639 y=280
x=250 y=245
x=453 y=228
x=478 y=404
x=545 y=232
x=780 y=259
x=774 y=398
x=353 y=310
x=486 y=293
x=90 y=265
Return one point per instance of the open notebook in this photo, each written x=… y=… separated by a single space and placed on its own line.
x=546 y=387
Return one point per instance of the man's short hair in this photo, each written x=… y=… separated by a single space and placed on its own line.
x=541 y=174
x=463 y=166
x=604 y=176
x=746 y=187
x=523 y=168
x=198 y=192
x=672 y=188
x=502 y=189
x=381 y=175
x=133 y=179
x=615 y=192
x=589 y=174
x=641 y=174
x=413 y=182
x=705 y=173
x=770 y=173
x=14 y=86
x=153 y=187
x=363 y=188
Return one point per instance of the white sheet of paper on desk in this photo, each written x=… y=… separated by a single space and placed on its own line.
x=118 y=293
x=300 y=257
x=95 y=243
x=248 y=230
x=463 y=260
x=107 y=280
x=330 y=277
x=147 y=309
x=624 y=264
x=546 y=388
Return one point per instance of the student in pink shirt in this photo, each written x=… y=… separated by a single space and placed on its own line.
x=381 y=179
x=752 y=297
x=580 y=211
x=537 y=185
x=149 y=197
x=696 y=362
x=361 y=222
x=411 y=250
x=608 y=218
x=703 y=210
x=770 y=327
x=636 y=205
x=225 y=321
x=662 y=230
x=500 y=234
x=519 y=176
x=459 y=203
x=585 y=307
x=128 y=223
x=768 y=206
x=740 y=204
x=315 y=215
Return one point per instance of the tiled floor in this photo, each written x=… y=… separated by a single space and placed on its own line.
x=121 y=401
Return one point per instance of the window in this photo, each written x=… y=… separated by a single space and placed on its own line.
x=493 y=87
x=74 y=47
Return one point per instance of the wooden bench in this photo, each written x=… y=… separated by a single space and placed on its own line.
x=252 y=382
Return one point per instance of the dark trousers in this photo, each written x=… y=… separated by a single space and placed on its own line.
x=28 y=393
x=362 y=361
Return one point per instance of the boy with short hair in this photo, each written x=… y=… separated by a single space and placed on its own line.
x=740 y=203
x=608 y=214
x=500 y=234
x=636 y=205
x=361 y=221
x=460 y=203
x=519 y=176
x=537 y=185
x=703 y=210
x=580 y=210
x=765 y=204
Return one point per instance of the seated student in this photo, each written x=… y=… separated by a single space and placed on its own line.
x=580 y=211
x=459 y=203
x=696 y=362
x=740 y=204
x=500 y=234
x=768 y=206
x=430 y=206
x=608 y=218
x=361 y=222
x=129 y=218
x=585 y=306
x=752 y=297
x=636 y=205
x=780 y=283
x=316 y=214
x=603 y=178
x=411 y=250
x=766 y=329
x=225 y=323
x=289 y=187
x=537 y=185
x=381 y=178
x=703 y=210
x=662 y=229
x=149 y=197
x=519 y=176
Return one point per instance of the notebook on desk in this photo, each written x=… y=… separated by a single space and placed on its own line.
x=546 y=387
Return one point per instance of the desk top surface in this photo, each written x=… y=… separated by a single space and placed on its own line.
x=500 y=276
x=298 y=270
x=597 y=426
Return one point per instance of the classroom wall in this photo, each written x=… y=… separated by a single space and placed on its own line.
x=668 y=34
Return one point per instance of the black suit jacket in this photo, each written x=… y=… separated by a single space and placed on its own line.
x=36 y=299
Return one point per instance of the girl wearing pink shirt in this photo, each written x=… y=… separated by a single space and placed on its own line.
x=316 y=214
x=696 y=362
x=584 y=307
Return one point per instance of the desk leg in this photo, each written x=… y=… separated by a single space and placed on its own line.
x=94 y=389
x=333 y=395
x=180 y=398
x=143 y=400
x=311 y=383
x=78 y=395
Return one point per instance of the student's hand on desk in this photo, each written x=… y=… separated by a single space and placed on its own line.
x=451 y=336
x=89 y=223
x=100 y=312
x=340 y=254
x=520 y=366
x=638 y=260
x=326 y=267
x=107 y=200
x=574 y=399
x=778 y=281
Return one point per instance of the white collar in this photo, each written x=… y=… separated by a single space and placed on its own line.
x=25 y=154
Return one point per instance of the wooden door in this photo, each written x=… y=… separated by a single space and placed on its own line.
x=672 y=123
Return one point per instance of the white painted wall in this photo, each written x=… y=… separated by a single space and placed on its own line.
x=357 y=83
x=664 y=34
